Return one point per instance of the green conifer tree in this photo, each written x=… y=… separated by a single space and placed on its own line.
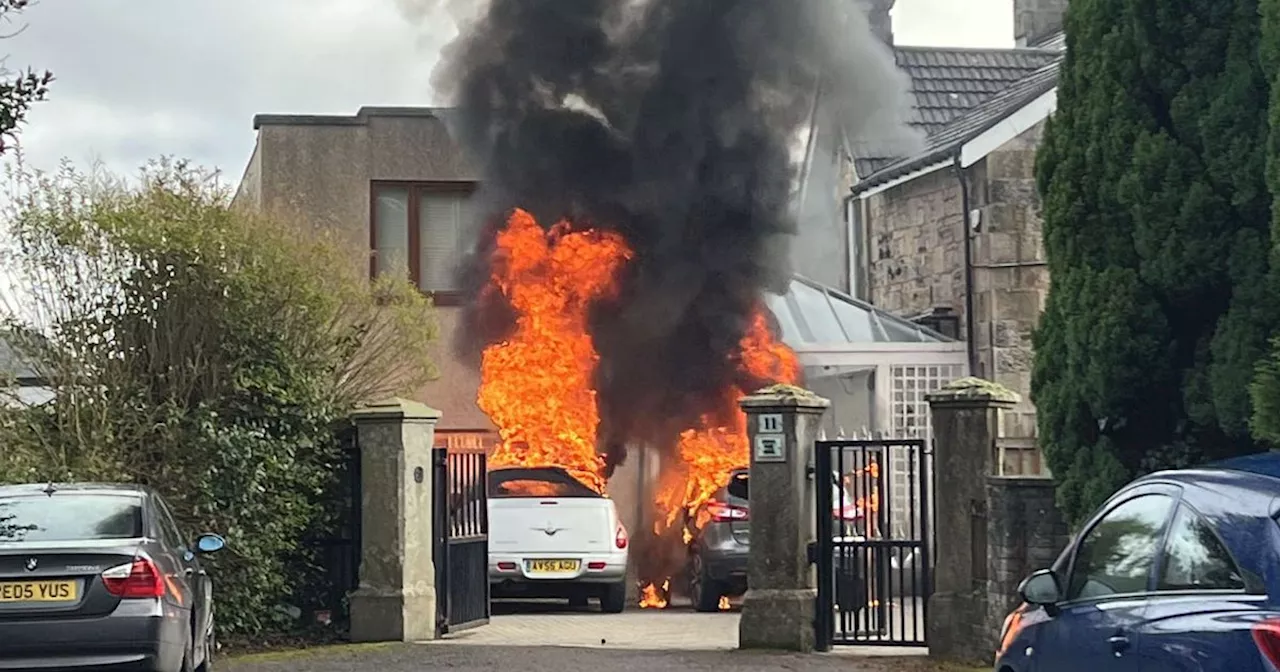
x=1155 y=224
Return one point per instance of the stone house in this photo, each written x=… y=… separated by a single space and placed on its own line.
x=950 y=237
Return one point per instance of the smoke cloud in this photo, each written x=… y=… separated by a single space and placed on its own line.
x=673 y=122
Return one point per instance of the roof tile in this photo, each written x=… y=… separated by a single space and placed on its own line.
x=948 y=82
x=965 y=126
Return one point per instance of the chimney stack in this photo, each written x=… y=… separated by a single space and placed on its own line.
x=878 y=15
x=1035 y=20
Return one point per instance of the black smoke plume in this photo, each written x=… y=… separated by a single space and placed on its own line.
x=675 y=123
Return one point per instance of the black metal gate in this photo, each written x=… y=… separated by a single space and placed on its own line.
x=333 y=548
x=461 y=528
x=874 y=545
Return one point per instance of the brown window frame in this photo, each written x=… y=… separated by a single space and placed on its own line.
x=415 y=189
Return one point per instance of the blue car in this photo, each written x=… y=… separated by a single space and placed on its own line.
x=1179 y=570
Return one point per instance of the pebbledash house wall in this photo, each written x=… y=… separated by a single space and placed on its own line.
x=320 y=170
x=914 y=240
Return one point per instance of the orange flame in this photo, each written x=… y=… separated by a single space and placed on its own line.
x=869 y=502
x=537 y=388
x=653 y=597
x=536 y=385
x=533 y=489
x=709 y=453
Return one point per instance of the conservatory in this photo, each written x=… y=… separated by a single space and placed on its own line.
x=875 y=367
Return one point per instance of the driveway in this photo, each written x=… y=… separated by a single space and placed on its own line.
x=665 y=630
x=532 y=638
x=641 y=629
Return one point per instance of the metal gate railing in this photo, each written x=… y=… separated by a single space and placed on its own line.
x=874 y=545
x=460 y=519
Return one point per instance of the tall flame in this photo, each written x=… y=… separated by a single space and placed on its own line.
x=709 y=453
x=536 y=386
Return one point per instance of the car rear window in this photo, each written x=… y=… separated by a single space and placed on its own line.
x=536 y=482
x=70 y=517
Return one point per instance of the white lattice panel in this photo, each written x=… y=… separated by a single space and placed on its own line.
x=909 y=406
x=910 y=387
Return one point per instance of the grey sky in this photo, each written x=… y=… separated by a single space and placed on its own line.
x=143 y=78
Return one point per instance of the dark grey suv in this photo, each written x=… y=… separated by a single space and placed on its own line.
x=99 y=577
x=717 y=566
x=717 y=563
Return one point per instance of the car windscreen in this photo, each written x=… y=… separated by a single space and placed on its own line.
x=70 y=517
x=536 y=482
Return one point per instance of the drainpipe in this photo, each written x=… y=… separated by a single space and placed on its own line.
x=851 y=258
x=971 y=331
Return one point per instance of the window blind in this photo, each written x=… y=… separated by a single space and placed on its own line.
x=441 y=240
x=391 y=231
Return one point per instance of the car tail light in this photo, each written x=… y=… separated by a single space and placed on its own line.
x=721 y=513
x=138 y=579
x=1266 y=635
x=620 y=537
x=507 y=566
x=596 y=566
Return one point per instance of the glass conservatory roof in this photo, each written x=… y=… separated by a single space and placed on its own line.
x=812 y=314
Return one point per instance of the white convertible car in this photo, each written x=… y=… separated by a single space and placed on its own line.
x=550 y=536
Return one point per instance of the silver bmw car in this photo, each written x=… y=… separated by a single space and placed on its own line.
x=99 y=577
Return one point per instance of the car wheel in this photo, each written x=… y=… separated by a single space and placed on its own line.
x=704 y=592
x=614 y=598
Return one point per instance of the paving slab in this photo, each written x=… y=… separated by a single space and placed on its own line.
x=666 y=630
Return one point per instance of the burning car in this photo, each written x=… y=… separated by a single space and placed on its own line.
x=550 y=536
x=718 y=548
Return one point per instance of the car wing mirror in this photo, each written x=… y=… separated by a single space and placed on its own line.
x=210 y=543
x=1042 y=589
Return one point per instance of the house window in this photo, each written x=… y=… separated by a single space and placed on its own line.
x=421 y=230
x=942 y=320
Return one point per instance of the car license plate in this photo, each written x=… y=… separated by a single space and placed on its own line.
x=553 y=566
x=38 y=591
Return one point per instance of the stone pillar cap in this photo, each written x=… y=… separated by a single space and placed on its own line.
x=396 y=408
x=783 y=395
x=973 y=390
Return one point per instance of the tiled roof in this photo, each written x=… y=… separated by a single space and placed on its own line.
x=969 y=125
x=946 y=82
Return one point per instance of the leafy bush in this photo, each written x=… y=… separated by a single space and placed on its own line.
x=204 y=350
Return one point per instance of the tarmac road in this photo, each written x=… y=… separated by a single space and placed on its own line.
x=444 y=656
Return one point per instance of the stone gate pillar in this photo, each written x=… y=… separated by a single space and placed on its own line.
x=396 y=600
x=965 y=420
x=778 y=609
